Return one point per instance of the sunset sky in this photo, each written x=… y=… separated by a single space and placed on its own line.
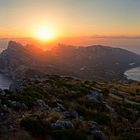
x=70 y=18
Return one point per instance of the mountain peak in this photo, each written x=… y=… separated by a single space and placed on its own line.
x=91 y=62
x=14 y=45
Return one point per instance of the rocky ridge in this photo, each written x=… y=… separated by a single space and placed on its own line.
x=91 y=62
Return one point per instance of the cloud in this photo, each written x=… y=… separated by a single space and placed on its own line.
x=115 y=37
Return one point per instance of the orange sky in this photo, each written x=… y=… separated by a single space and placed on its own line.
x=70 y=18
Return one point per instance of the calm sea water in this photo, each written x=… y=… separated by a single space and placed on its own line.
x=4 y=81
x=133 y=74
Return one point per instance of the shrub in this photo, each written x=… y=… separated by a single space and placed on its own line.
x=54 y=116
x=102 y=119
x=71 y=134
x=36 y=127
x=21 y=135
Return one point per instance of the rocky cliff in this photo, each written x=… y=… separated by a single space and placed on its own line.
x=92 y=62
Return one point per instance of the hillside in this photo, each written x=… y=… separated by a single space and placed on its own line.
x=39 y=106
x=92 y=62
x=52 y=107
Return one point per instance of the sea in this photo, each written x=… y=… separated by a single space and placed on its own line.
x=133 y=74
x=5 y=81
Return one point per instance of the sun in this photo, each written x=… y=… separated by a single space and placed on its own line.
x=45 y=33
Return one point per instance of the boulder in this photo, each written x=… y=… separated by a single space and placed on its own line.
x=59 y=124
x=137 y=123
x=94 y=126
x=2 y=92
x=41 y=103
x=17 y=86
x=4 y=107
x=99 y=135
x=24 y=106
x=95 y=96
x=2 y=116
x=71 y=115
x=61 y=107
x=18 y=105
x=96 y=133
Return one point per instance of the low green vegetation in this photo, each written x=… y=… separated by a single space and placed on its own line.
x=64 y=108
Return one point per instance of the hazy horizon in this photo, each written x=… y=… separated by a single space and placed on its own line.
x=131 y=45
x=86 y=22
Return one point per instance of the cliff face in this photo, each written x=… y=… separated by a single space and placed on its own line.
x=92 y=62
x=96 y=62
x=17 y=58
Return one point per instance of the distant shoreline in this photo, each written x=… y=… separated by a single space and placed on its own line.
x=133 y=74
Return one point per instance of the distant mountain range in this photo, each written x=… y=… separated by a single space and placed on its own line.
x=91 y=62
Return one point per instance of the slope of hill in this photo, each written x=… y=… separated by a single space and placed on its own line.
x=98 y=62
x=52 y=107
x=92 y=62
x=67 y=108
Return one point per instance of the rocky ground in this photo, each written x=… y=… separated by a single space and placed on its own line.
x=51 y=107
